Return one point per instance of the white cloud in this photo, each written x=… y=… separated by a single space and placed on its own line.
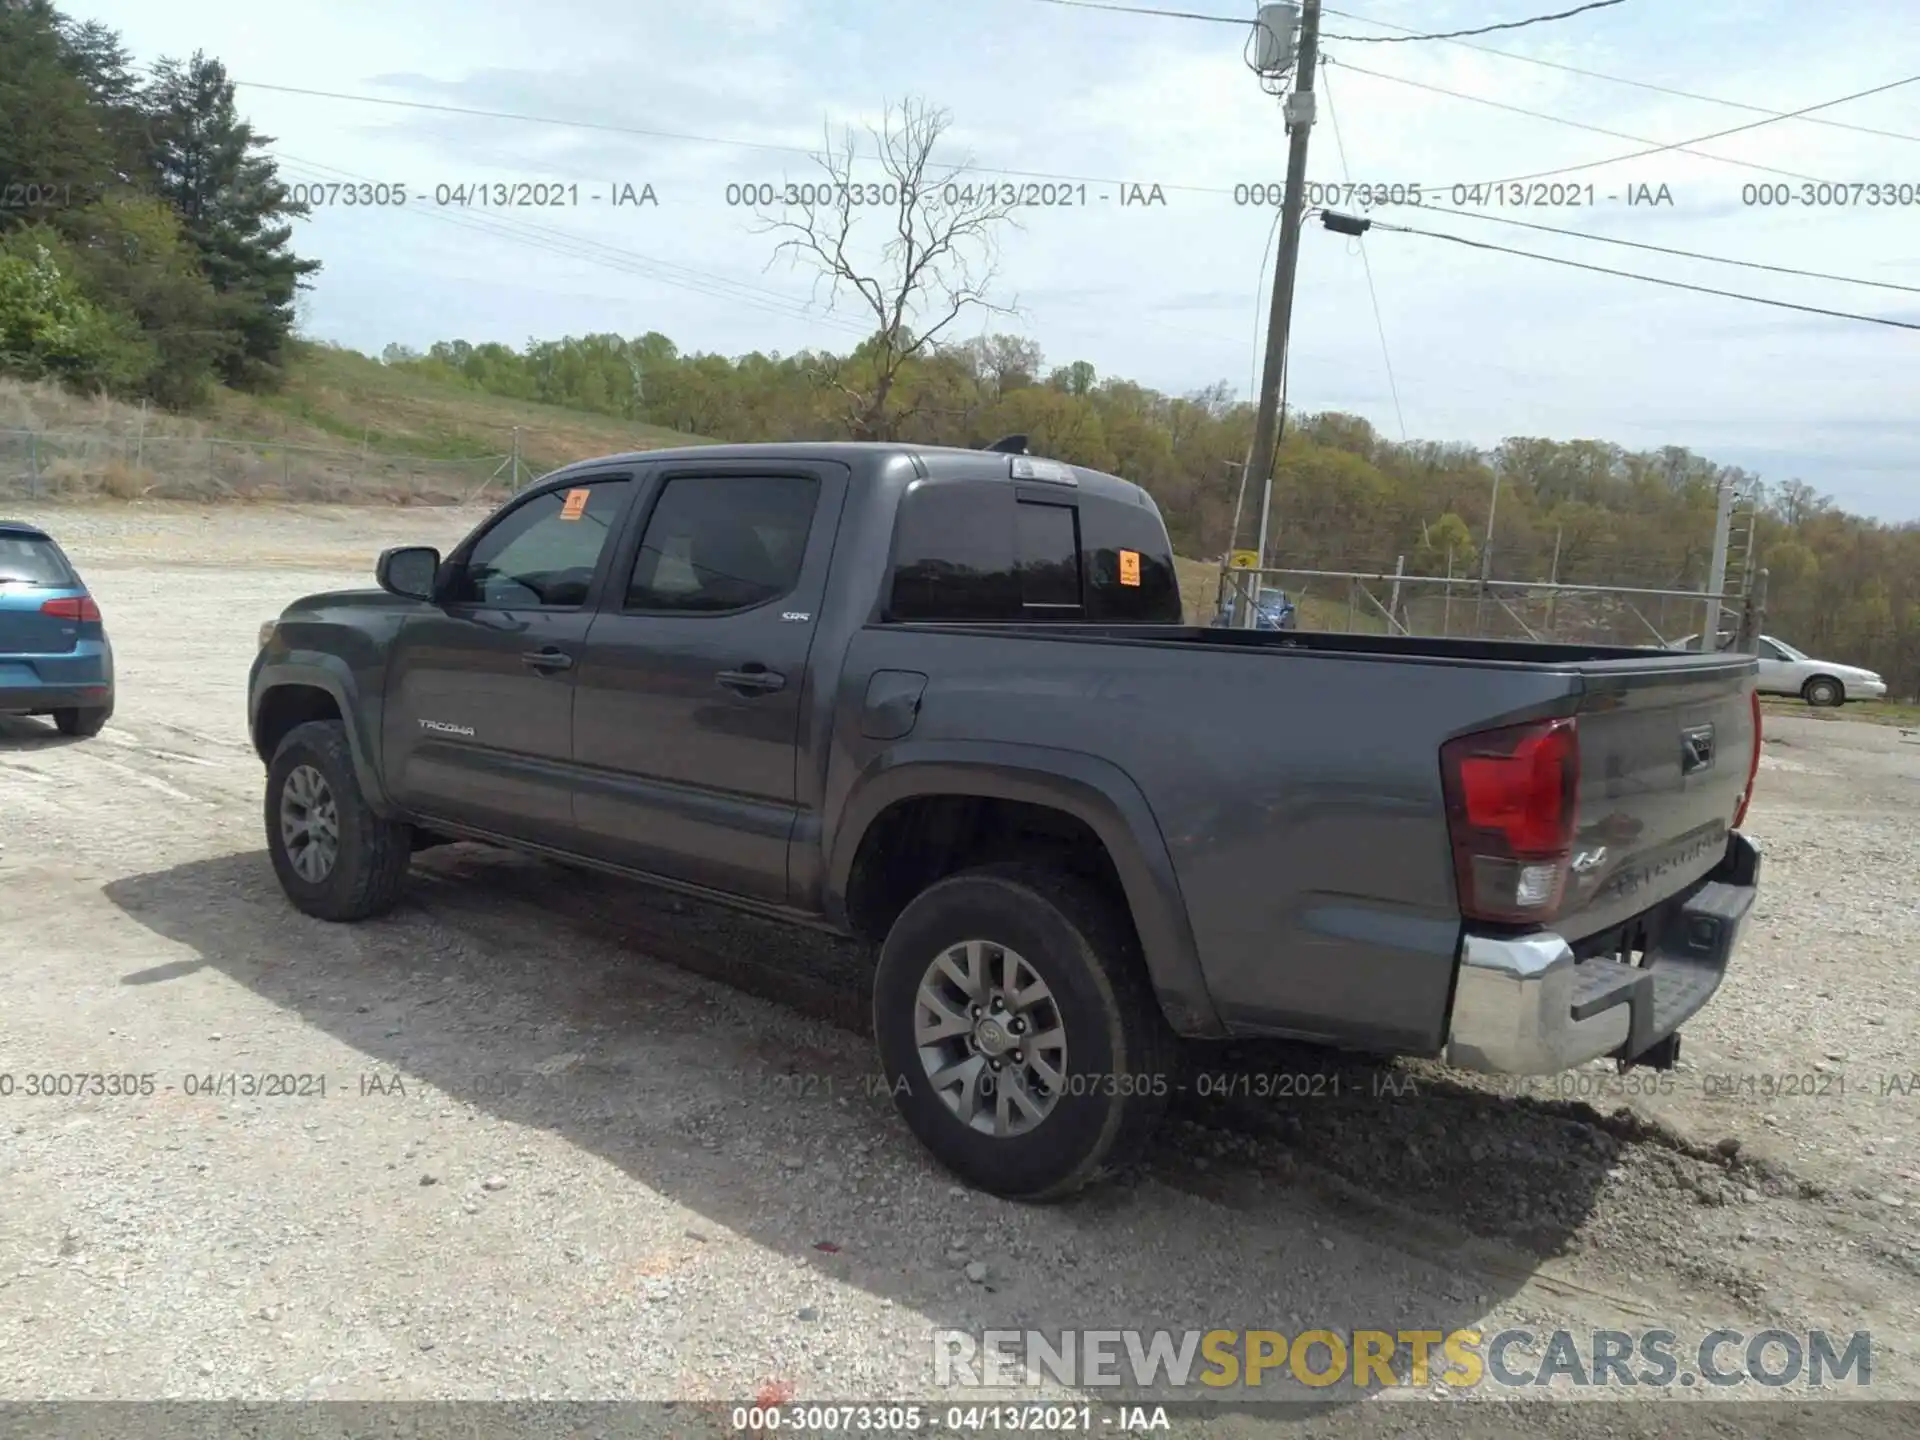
x=1483 y=345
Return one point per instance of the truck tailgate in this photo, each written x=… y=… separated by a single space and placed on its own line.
x=1666 y=754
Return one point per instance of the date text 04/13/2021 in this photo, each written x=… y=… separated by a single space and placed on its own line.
x=472 y=194
x=962 y=194
x=1369 y=194
x=1019 y=1418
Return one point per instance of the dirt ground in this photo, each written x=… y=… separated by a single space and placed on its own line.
x=581 y=1140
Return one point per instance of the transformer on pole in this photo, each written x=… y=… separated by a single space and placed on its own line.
x=1273 y=39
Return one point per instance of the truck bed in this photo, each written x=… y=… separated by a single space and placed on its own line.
x=1432 y=648
x=1301 y=796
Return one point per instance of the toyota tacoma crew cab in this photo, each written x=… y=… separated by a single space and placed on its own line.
x=943 y=700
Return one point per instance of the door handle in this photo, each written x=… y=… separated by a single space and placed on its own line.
x=752 y=679
x=548 y=659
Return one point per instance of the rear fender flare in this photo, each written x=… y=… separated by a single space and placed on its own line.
x=1092 y=790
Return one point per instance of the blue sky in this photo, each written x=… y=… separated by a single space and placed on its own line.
x=1482 y=345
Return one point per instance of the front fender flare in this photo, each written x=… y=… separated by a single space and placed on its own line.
x=1092 y=790
x=318 y=671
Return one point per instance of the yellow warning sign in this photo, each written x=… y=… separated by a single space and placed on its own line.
x=576 y=505
x=1129 y=567
x=1244 y=560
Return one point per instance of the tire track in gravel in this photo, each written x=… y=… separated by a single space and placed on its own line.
x=1445 y=1171
x=1495 y=1184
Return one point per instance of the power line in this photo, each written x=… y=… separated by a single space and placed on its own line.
x=1457 y=34
x=690 y=138
x=1651 y=279
x=1669 y=250
x=1722 y=134
x=1626 y=80
x=631 y=262
x=1146 y=10
x=1681 y=145
x=1259 y=310
x=1393 y=386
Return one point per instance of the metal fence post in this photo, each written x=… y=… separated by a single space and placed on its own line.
x=33 y=463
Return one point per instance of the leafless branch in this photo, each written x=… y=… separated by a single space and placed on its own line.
x=936 y=262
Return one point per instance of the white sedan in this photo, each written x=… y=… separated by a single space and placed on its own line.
x=1787 y=671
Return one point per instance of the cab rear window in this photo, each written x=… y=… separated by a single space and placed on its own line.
x=31 y=560
x=986 y=550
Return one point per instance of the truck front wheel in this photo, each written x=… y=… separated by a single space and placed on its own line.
x=1018 y=1032
x=336 y=859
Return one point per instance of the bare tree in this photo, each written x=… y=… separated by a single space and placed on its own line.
x=915 y=247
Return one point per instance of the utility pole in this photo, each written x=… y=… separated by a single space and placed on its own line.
x=1299 y=113
x=1717 y=568
x=1237 y=607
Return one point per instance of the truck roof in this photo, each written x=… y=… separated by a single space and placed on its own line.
x=848 y=452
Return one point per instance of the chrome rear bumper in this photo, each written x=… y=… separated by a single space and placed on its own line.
x=1525 y=1006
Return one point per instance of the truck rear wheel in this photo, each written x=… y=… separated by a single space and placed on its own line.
x=1018 y=1032
x=336 y=859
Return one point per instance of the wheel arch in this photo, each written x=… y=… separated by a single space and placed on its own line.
x=291 y=692
x=1079 y=792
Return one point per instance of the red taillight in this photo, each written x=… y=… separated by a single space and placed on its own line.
x=79 y=607
x=1753 y=766
x=1511 y=801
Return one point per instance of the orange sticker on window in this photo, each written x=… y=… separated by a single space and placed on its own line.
x=576 y=505
x=1129 y=567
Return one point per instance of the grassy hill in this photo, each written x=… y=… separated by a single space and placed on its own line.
x=335 y=395
x=343 y=428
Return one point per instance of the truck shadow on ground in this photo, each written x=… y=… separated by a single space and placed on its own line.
x=1273 y=1157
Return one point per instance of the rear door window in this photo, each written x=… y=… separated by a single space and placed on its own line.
x=720 y=543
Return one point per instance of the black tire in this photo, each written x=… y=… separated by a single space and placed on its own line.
x=83 y=721
x=1121 y=1057
x=1824 y=691
x=369 y=869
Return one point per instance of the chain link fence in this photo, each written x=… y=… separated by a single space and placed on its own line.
x=79 y=465
x=1357 y=602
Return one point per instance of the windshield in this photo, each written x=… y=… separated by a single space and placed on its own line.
x=1786 y=649
x=27 y=560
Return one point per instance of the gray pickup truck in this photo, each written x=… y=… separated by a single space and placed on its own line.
x=944 y=700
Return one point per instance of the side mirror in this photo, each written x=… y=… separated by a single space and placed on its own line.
x=409 y=571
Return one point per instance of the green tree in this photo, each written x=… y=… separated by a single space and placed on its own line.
x=55 y=145
x=1446 y=542
x=233 y=209
x=129 y=248
x=49 y=330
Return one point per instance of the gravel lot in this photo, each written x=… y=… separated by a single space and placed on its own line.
x=580 y=1140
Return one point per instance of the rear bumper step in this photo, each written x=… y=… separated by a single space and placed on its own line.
x=1526 y=1006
